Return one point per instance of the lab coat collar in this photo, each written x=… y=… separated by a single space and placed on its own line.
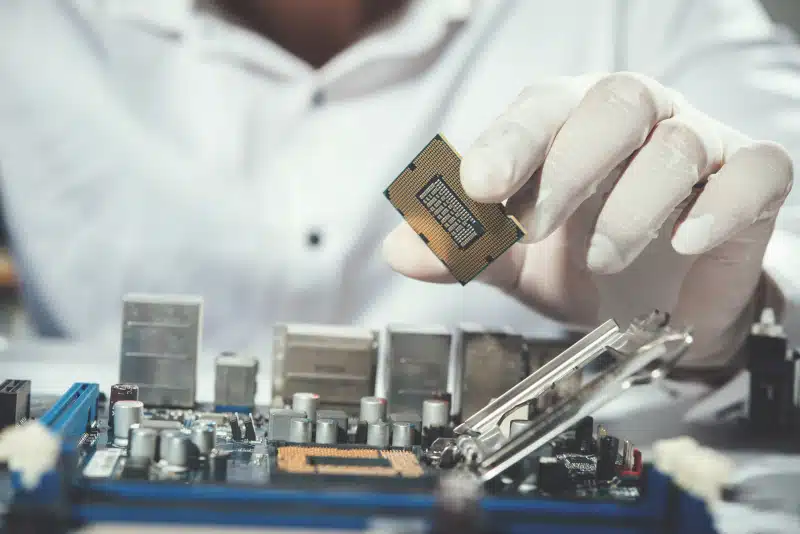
x=422 y=26
x=175 y=15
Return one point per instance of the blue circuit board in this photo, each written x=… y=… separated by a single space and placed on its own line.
x=92 y=485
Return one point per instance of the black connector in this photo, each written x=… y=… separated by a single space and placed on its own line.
x=15 y=402
x=773 y=370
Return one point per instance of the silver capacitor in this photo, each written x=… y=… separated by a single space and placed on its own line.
x=175 y=449
x=435 y=413
x=373 y=409
x=204 y=438
x=142 y=443
x=126 y=414
x=518 y=426
x=327 y=431
x=300 y=430
x=378 y=434
x=306 y=403
x=163 y=439
x=402 y=435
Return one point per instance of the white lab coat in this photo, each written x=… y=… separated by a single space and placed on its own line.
x=150 y=146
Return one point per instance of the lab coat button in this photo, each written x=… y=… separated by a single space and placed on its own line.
x=318 y=98
x=314 y=238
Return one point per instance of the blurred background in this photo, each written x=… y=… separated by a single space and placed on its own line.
x=13 y=322
x=785 y=11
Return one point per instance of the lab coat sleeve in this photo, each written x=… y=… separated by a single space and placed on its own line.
x=731 y=61
x=95 y=204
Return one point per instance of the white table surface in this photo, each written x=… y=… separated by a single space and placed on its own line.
x=643 y=415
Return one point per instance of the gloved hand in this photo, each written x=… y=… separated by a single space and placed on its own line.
x=632 y=200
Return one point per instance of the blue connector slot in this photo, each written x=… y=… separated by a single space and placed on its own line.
x=74 y=412
x=69 y=418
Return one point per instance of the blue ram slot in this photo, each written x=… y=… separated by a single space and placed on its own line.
x=663 y=508
x=74 y=412
x=70 y=418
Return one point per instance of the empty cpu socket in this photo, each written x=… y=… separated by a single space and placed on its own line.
x=465 y=235
x=354 y=462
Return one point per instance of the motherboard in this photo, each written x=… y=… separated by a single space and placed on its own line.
x=302 y=446
x=422 y=429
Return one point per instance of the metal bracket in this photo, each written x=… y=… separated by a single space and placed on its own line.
x=642 y=353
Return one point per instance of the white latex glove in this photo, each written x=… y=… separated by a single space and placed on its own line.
x=601 y=170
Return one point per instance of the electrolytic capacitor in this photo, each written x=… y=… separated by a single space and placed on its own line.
x=341 y=421
x=413 y=419
x=126 y=413
x=607 y=458
x=378 y=434
x=518 y=426
x=373 y=409
x=120 y=392
x=236 y=428
x=435 y=413
x=175 y=449
x=584 y=435
x=300 y=430
x=327 y=431
x=250 y=429
x=163 y=441
x=218 y=465
x=204 y=438
x=402 y=435
x=142 y=443
x=306 y=403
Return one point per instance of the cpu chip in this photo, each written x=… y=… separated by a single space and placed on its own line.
x=465 y=235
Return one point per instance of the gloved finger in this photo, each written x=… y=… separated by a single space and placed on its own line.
x=408 y=255
x=706 y=301
x=750 y=187
x=612 y=121
x=679 y=153
x=504 y=157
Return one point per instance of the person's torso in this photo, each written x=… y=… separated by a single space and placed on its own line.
x=328 y=142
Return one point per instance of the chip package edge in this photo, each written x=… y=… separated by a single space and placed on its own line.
x=463 y=264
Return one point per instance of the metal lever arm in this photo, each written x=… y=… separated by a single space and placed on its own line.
x=568 y=362
x=647 y=342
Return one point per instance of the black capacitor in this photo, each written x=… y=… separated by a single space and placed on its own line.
x=607 y=454
x=773 y=371
x=218 y=465
x=120 y=392
x=773 y=375
x=249 y=430
x=361 y=433
x=236 y=429
x=584 y=436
